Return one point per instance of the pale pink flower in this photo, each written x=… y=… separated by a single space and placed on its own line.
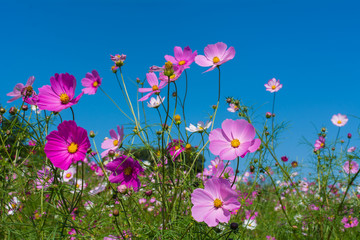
x=339 y=120
x=273 y=85
x=182 y=59
x=114 y=142
x=350 y=222
x=351 y=167
x=215 y=55
x=155 y=86
x=351 y=149
x=214 y=203
x=235 y=139
x=22 y=91
x=233 y=108
x=319 y=143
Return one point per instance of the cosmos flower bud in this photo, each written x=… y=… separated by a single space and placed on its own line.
x=169 y=69
x=268 y=115
x=284 y=158
x=111 y=153
x=138 y=80
x=177 y=119
x=323 y=129
x=92 y=134
x=213 y=107
x=349 y=135
x=252 y=168
x=228 y=100
x=25 y=107
x=188 y=147
x=116 y=212
x=2 y=110
x=114 y=68
x=294 y=164
x=237 y=102
x=234 y=226
x=12 y=110
x=148 y=193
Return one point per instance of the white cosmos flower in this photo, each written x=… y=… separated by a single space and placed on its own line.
x=69 y=174
x=199 y=128
x=155 y=102
x=35 y=109
x=13 y=205
x=250 y=224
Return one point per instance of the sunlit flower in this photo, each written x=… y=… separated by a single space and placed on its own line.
x=125 y=171
x=351 y=167
x=118 y=59
x=215 y=55
x=234 y=139
x=60 y=95
x=183 y=59
x=339 y=120
x=114 y=142
x=351 y=149
x=201 y=126
x=155 y=86
x=273 y=85
x=155 y=102
x=91 y=82
x=175 y=147
x=13 y=206
x=67 y=145
x=22 y=91
x=214 y=203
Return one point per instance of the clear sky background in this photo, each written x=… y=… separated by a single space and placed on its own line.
x=313 y=47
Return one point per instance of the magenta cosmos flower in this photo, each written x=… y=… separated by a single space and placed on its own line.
x=234 y=139
x=155 y=86
x=182 y=59
x=339 y=120
x=319 y=143
x=67 y=145
x=215 y=55
x=125 y=171
x=214 y=203
x=350 y=222
x=60 y=95
x=91 y=82
x=21 y=91
x=273 y=85
x=114 y=142
x=351 y=167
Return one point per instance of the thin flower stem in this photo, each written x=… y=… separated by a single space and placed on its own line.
x=236 y=172
x=73 y=114
x=217 y=105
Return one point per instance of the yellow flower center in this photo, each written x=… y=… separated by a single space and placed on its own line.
x=13 y=205
x=188 y=146
x=172 y=76
x=73 y=148
x=64 y=98
x=216 y=60
x=273 y=87
x=128 y=171
x=177 y=148
x=155 y=87
x=68 y=175
x=168 y=65
x=77 y=185
x=116 y=142
x=217 y=203
x=37 y=216
x=339 y=121
x=182 y=62
x=95 y=84
x=322 y=144
x=235 y=143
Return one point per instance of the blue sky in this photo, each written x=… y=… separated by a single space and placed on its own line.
x=312 y=47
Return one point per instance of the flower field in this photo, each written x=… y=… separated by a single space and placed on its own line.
x=168 y=178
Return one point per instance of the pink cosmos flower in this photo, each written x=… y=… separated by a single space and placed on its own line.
x=339 y=120
x=273 y=85
x=67 y=145
x=60 y=95
x=215 y=55
x=235 y=139
x=45 y=178
x=177 y=73
x=183 y=59
x=69 y=174
x=91 y=82
x=351 y=149
x=319 y=143
x=22 y=91
x=233 y=108
x=118 y=59
x=350 y=222
x=175 y=148
x=125 y=171
x=351 y=167
x=214 y=203
x=114 y=142
x=155 y=86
